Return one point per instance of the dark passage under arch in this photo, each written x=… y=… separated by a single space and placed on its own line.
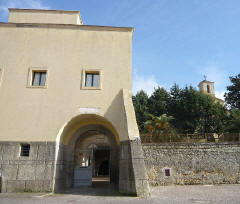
x=92 y=151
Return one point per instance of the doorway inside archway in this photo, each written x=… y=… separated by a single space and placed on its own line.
x=101 y=170
x=95 y=160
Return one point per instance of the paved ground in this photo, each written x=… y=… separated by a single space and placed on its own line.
x=164 y=194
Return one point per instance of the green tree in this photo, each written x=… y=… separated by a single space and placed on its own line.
x=233 y=124
x=157 y=126
x=195 y=112
x=184 y=108
x=192 y=111
x=232 y=97
x=140 y=102
x=214 y=116
x=158 y=101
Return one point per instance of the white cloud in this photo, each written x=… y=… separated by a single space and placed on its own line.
x=145 y=83
x=220 y=94
x=29 y=4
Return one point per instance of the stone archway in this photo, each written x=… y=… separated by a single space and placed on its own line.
x=128 y=169
x=79 y=133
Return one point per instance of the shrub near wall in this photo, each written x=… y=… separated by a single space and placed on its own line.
x=192 y=163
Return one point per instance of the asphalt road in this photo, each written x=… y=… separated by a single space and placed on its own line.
x=163 y=194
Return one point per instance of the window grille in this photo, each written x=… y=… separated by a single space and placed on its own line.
x=25 y=150
x=167 y=172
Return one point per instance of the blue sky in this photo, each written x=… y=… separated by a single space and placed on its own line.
x=175 y=41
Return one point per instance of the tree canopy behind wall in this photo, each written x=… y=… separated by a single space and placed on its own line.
x=140 y=102
x=193 y=111
x=232 y=97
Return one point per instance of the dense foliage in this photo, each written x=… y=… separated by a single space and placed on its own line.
x=190 y=111
x=158 y=126
x=232 y=97
x=140 y=102
x=233 y=124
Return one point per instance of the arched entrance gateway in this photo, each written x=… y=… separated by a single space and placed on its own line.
x=95 y=157
x=87 y=153
x=89 y=150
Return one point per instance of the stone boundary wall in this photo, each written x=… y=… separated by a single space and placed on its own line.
x=195 y=163
x=33 y=173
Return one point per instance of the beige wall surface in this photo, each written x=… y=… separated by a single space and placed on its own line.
x=44 y=16
x=37 y=114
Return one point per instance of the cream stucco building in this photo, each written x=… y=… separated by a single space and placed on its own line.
x=65 y=99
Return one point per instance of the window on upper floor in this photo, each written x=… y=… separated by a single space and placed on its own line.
x=91 y=79
x=37 y=78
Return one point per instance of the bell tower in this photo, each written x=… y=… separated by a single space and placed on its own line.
x=207 y=87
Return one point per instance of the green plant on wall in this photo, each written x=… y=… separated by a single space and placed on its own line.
x=159 y=127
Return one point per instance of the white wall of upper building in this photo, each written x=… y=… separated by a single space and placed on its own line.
x=44 y=16
x=65 y=51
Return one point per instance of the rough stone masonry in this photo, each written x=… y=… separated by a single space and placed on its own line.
x=195 y=163
x=33 y=173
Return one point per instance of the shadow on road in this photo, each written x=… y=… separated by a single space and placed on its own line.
x=99 y=188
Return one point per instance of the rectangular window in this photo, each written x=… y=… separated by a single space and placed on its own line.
x=167 y=172
x=39 y=78
x=208 y=89
x=25 y=150
x=92 y=80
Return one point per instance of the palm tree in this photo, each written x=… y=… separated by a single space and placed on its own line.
x=158 y=125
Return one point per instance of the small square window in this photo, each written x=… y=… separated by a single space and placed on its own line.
x=91 y=79
x=25 y=150
x=39 y=78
